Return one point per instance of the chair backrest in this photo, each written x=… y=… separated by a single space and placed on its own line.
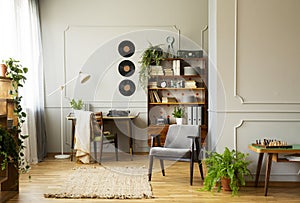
x=177 y=136
x=99 y=119
x=96 y=124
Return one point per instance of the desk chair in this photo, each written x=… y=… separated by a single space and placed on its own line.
x=103 y=137
x=182 y=144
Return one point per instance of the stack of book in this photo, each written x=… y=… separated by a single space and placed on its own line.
x=168 y=99
x=152 y=84
x=190 y=84
x=168 y=71
x=156 y=70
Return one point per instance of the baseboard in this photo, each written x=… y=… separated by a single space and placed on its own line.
x=275 y=184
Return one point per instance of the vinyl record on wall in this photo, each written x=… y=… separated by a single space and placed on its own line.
x=126 y=48
x=126 y=68
x=127 y=87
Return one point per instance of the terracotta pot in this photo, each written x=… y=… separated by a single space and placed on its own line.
x=3 y=71
x=225 y=182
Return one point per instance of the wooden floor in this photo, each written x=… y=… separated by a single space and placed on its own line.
x=49 y=175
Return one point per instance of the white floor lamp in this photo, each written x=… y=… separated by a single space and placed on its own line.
x=83 y=78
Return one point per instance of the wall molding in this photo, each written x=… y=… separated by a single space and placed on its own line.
x=243 y=121
x=254 y=111
x=173 y=28
x=235 y=88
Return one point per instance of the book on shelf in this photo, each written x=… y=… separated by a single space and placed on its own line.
x=190 y=115
x=151 y=97
x=199 y=114
x=157 y=98
x=156 y=70
x=168 y=99
x=190 y=84
x=152 y=84
x=168 y=71
x=194 y=115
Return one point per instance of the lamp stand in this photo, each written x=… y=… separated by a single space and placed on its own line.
x=62 y=155
x=83 y=78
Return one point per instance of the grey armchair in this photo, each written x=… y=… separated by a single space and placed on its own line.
x=181 y=144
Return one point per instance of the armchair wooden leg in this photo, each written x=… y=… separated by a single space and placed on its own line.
x=201 y=169
x=162 y=167
x=101 y=150
x=116 y=148
x=191 y=171
x=150 y=167
x=95 y=149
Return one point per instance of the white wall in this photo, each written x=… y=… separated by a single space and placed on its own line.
x=61 y=18
x=254 y=49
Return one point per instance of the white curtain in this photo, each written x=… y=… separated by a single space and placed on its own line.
x=20 y=38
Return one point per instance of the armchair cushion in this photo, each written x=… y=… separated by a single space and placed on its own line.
x=170 y=152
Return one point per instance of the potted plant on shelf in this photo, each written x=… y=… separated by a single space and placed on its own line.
x=226 y=170
x=178 y=114
x=152 y=56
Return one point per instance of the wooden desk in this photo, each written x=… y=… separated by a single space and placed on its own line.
x=272 y=155
x=126 y=119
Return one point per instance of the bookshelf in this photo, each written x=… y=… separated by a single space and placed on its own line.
x=186 y=87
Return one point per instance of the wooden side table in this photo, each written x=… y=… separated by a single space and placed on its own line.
x=272 y=155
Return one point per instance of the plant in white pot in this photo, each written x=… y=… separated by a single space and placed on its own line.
x=77 y=105
x=178 y=114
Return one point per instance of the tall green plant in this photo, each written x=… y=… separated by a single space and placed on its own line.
x=13 y=140
x=229 y=164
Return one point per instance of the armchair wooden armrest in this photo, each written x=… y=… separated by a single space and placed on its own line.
x=155 y=137
x=195 y=145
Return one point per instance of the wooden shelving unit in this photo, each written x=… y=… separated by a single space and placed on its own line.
x=9 y=178
x=163 y=110
x=177 y=103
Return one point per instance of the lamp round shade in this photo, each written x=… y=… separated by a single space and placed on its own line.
x=84 y=77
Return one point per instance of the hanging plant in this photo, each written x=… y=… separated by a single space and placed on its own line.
x=12 y=140
x=153 y=55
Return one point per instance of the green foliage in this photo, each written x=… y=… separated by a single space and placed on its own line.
x=78 y=105
x=230 y=164
x=178 y=112
x=8 y=146
x=12 y=141
x=153 y=55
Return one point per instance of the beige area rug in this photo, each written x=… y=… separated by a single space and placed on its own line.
x=105 y=183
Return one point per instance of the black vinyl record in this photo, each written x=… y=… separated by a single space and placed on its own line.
x=127 y=87
x=126 y=48
x=126 y=68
